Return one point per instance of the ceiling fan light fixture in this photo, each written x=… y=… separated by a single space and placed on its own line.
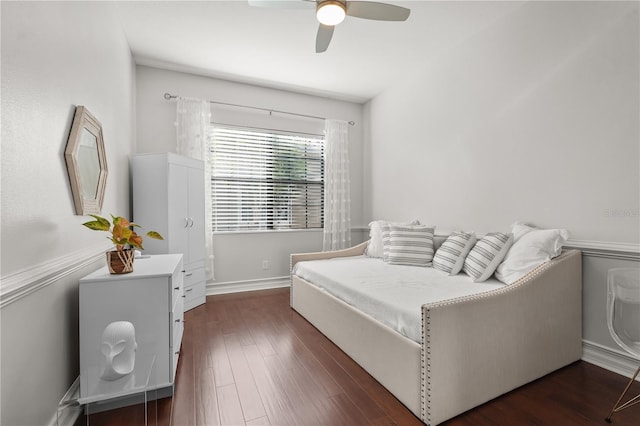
x=331 y=12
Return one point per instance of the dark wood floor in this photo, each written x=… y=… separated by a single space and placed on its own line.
x=248 y=359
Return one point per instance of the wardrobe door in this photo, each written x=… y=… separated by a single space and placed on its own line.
x=179 y=210
x=196 y=217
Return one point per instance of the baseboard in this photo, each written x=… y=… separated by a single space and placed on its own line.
x=609 y=359
x=247 y=285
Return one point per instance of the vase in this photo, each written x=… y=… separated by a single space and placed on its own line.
x=120 y=261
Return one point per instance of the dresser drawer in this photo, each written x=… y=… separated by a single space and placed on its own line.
x=194 y=295
x=176 y=355
x=177 y=325
x=193 y=276
x=177 y=288
x=175 y=349
x=194 y=288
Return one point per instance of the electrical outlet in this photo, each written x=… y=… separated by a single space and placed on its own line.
x=265 y=264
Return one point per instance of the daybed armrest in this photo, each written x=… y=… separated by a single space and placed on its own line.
x=351 y=251
x=479 y=347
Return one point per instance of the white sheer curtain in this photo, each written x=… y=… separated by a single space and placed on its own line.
x=192 y=121
x=337 y=194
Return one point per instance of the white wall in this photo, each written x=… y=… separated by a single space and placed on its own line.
x=239 y=257
x=55 y=55
x=535 y=118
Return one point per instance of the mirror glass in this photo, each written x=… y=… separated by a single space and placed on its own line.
x=86 y=162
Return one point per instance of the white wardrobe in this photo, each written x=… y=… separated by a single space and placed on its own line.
x=168 y=197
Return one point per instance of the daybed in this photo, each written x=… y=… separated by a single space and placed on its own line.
x=472 y=348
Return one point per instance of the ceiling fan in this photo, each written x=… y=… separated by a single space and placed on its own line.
x=331 y=12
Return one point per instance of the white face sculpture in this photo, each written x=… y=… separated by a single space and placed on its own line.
x=119 y=349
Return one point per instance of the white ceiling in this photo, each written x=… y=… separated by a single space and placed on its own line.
x=276 y=47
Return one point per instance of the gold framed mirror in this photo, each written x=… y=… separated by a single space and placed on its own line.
x=86 y=162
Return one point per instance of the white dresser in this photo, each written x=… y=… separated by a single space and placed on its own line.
x=151 y=298
x=168 y=197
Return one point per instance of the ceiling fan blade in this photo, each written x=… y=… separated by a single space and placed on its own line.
x=283 y=4
x=323 y=38
x=377 y=11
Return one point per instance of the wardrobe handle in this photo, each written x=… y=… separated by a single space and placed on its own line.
x=186 y=222
x=191 y=220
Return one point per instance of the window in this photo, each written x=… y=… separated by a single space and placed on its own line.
x=265 y=179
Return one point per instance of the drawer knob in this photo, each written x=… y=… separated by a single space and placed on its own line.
x=189 y=274
x=176 y=288
x=178 y=320
x=188 y=290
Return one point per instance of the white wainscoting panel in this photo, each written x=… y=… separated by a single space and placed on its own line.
x=612 y=359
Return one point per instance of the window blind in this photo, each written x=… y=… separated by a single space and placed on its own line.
x=265 y=179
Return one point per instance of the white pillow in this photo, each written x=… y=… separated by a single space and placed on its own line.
x=533 y=247
x=410 y=245
x=375 y=246
x=518 y=229
x=452 y=253
x=486 y=255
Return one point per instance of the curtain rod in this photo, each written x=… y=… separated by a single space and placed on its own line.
x=169 y=96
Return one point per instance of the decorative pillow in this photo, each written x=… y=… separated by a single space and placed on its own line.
x=410 y=245
x=518 y=229
x=375 y=246
x=486 y=255
x=386 y=237
x=452 y=253
x=533 y=247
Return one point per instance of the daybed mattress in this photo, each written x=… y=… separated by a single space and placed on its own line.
x=392 y=294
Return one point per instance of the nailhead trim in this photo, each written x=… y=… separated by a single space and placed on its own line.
x=425 y=352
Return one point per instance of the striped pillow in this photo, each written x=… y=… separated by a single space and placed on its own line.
x=486 y=255
x=384 y=236
x=452 y=253
x=410 y=245
x=386 y=240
